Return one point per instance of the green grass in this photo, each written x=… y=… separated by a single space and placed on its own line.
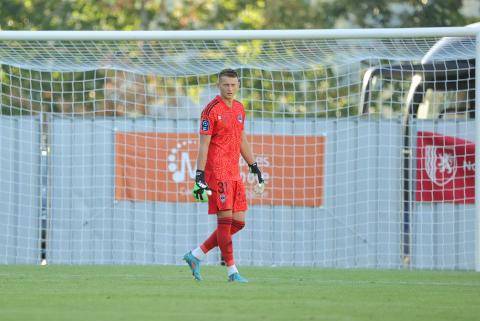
x=90 y=293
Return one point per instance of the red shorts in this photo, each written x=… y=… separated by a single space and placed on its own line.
x=228 y=195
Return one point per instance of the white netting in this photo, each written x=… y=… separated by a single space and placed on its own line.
x=366 y=145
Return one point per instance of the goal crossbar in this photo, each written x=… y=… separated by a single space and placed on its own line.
x=239 y=34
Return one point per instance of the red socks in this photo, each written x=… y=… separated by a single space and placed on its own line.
x=211 y=242
x=236 y=226
x=224 y=239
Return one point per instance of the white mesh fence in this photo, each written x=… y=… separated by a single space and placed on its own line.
x=367 y=145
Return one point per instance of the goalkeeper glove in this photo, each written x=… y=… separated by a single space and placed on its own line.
x=200 y=190
x=260 y=187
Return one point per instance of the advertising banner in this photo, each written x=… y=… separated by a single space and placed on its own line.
x=161 y=167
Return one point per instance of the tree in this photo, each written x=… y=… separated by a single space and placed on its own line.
x=429 y=13
x=225 y=14
x=400 y=13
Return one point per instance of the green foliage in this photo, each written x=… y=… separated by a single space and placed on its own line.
x=27 y=92
x=433 y=13
x=225 y=14
x=310 y=93
x=71 y=15
x=400 y=13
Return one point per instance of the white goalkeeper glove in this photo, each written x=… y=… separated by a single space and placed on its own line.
x=260 y=187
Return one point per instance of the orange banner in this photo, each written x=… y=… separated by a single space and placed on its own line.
x=161 y=167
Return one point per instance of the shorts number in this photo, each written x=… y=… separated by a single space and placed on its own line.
x=221 y=187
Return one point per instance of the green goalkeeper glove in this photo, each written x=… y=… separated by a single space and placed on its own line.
x=260 y=187
x=200 y=189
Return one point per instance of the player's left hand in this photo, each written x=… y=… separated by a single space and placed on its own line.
x=260 y=187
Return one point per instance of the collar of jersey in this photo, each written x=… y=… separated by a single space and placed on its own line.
x=220 y=99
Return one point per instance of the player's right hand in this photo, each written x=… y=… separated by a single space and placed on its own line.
x=200 y=189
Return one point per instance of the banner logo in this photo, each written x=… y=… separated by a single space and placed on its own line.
x=440 y=164
x=445 y=169
x=179 y=155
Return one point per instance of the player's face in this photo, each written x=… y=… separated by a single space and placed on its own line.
x=228 y=87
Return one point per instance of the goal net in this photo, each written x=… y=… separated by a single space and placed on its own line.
x=367 y=144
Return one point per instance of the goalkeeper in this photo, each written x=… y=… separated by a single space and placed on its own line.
x=218 y=181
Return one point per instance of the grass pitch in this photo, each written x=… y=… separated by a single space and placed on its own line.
x=109 y=293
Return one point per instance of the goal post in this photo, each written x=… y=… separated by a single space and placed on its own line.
x=477 y=154
x=368 y=139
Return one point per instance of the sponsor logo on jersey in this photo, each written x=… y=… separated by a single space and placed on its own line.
x=205 y=125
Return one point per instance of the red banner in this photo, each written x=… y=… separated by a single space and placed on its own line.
x=161 y=167
x=445 y=169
